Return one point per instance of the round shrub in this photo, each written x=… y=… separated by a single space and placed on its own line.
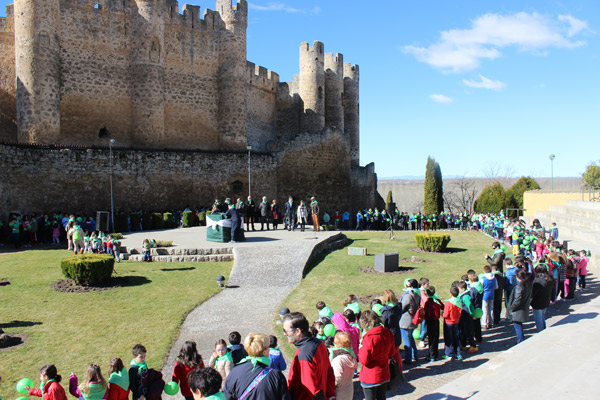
x=432 y=242
x=88 y=269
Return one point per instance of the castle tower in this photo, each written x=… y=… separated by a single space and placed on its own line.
x=351 y=109
x=37 y=65
x=232 y=75
x=334 y=90
x=312 y=87
x=148 y=74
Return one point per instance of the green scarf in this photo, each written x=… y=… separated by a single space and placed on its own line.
x=333 y=349
x=478 y=286
x=120 y=379
x=263 y=360
x=226 y=357
x=456 y=301
x=354 y=307
x=43 y=384
x=321 y=337
x=216 y=396
x=141 y=366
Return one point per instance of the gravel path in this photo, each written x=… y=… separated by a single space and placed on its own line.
x=262 y=277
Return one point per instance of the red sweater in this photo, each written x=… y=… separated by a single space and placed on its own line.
x=180 y=375
x=52 y=391
x=451 y=313
x=116 y=392
x=375 y=352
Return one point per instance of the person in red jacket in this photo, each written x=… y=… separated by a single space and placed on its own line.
x=118 y=381
x=452 y=312
x=311 y=376
x=374 y=355
x=50 y=388
x=187 y=361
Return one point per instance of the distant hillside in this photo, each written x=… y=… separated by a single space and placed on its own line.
x=408 y=193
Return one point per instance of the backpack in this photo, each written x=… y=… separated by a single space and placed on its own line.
x=76 y=234
x=420 y=313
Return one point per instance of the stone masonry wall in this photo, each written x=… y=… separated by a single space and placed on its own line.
x=44 y=179
x=8 y=102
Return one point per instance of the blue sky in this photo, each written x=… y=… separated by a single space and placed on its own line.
x=474 y=84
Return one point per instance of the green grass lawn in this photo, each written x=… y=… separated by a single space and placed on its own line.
x=338 y=275
x=73 y=330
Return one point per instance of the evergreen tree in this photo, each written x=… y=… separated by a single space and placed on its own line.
x=514 y=195
x=492 y=199
x=388 y=200
x=433 y=197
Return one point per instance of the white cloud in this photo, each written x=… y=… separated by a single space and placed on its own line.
x=275 y=7
x=440 y=98
x=485 y=83
x=460 y=50
x=577 y=25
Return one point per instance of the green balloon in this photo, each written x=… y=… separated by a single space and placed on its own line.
x=417 y=334
x=22 y=398
x=22 y=384
x=171 y=388
x=478 y=313
x=329 y=330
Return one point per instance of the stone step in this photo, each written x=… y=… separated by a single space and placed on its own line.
x=175 y=251
x=567 y=219
x=182 y=258
x=588 y=205
x=579 y=210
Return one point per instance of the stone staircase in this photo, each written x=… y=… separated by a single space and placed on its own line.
x=578 y=223
x=175 y=254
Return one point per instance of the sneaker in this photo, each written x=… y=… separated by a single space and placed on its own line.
x=459 y=357
x=421 y=344
x=464 y=348
x=473 y=350
x=447 y=358
x=432 y=360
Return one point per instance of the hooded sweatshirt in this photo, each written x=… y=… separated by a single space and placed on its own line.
x=342 y=325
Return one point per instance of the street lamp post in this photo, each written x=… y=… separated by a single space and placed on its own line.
x=112 y=199
x=249 y=172
x=552 y=157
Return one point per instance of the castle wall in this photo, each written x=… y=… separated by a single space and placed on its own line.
x=364 y=188
x=95 y=76
x=261 y=102
x=316 y=165
x=46 y=179
x=8 y=89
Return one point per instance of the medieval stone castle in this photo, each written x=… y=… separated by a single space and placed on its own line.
x=182 y=102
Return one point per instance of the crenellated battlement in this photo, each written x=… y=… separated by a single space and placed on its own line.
x=332 y=60
x=261 y=78
x=351 y=71
x=316 y=48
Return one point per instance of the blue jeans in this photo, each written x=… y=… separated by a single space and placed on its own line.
x=410 y=347
x=423 y=331
x=451 y=340
x=539 y=316
x=519 y=331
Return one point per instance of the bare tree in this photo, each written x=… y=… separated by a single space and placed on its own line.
x=495 y=172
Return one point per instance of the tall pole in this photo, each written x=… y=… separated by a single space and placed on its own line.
x=112 y=199
x=249 y=172
x=552 y=157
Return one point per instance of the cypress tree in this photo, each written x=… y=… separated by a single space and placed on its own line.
x=388 y=200
x=433 y=202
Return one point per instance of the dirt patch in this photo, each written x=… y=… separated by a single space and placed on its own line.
x=418 y=250
x=415 y=259
x=371 y=270
x=4 y=282
x=12 y=342
x=369 y=298
x=70 y=286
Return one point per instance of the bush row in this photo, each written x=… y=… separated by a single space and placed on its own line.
x=151 y=221
x=432 y=241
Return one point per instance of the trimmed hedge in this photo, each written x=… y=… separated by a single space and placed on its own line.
x=188 y=219
x=202 y=218
x=158 y=221
x=147 y=221
x=168 y=220
x=121 y=223
x=432 y=242
x=88 y=269
x=135 y=222
x=117 y=235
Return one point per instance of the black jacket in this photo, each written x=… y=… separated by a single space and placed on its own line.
x=520 y=298
x=541 y=292
x=390 y=316
x=272 y=387
x=497 y=260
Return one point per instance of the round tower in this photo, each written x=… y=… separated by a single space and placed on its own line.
x=148 y=74
x=334 y=90
x=37 y=65
x=351 y=109
x=232 y=75
x=312 y=87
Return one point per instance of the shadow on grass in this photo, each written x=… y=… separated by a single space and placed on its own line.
x=132 y=280
x=178 y=269
x=18 y=324
x=452 y=250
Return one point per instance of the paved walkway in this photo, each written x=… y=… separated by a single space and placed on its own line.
x=262 y=277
